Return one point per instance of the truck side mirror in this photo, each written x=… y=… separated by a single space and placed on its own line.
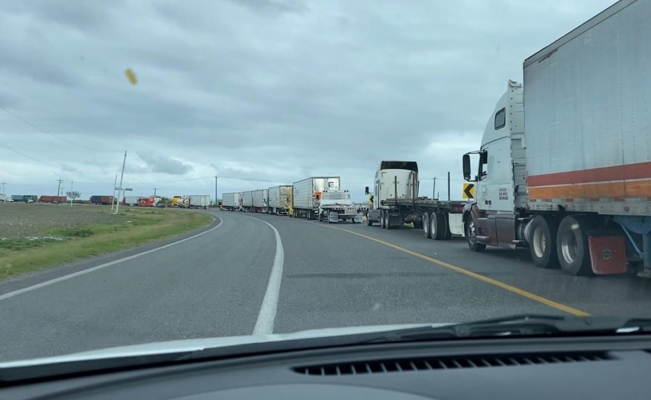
x=466 y=167
x=366 y=190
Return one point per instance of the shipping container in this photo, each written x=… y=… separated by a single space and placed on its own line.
x=306 y=195
x=280 y=199
x=26 y=198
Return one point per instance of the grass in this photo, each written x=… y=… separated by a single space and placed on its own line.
x=66 y=244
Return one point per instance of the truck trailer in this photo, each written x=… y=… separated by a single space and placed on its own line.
x=564 y=166
x=396 y=203
x=52 y=199
x=231 y=201
x=260 y=200
x=199 y=201
x=131 y=200
x=101 y=200
x=280 y=198
x=247 y=201
x=306 y=195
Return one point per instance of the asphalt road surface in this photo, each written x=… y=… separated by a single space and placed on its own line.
x=257 y=273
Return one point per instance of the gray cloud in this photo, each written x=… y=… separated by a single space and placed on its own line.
x=273 y=90
x=166 y=165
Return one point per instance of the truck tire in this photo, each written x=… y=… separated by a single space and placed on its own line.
x=471 y=235
x=369 y=221
x=542 y=243
x=572 y=246
x=426 y=227
x=437 y=226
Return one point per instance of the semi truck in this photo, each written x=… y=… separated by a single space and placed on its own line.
x=280 y=197
x=231 y=201
x=101 y=200
x=336 y=205
x=24 y=198
x=247 y=201
x=395 y=202
x=564 y=166
x=150 y=201
x=306 y=195
x=52 y=199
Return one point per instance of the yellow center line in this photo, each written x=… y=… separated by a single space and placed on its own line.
x=477 y=276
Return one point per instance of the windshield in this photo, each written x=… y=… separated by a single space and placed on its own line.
x=208 y=169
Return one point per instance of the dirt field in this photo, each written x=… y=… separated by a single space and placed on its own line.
x=25 y=220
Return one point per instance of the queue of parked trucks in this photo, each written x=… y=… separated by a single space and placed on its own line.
x=313 y=198
x=564 y=165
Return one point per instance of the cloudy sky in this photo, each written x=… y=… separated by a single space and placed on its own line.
x=258 y=92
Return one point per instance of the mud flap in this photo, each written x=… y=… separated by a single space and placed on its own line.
x=608 y=254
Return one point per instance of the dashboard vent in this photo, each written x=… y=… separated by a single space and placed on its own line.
x=426 y=364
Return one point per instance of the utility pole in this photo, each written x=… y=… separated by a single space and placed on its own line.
x=71 y=199
x=216 y=195
x=155 y=194
x=434 y=189
x=59 y=187
x=448 y=185
x=124 y=163
x=115 y=185
x=3 y=188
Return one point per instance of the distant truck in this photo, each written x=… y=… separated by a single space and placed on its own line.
x=280 y=198
x=336 y=205
x=24 y=198
x=306 y=195
x=52 y=199
x=177 y=201
x=396 y=203
x=564 y=166
x=199 y=201
x=101 y=200
x=149 y=201
x=232 y=201
x=131 y=200
x=247 y=201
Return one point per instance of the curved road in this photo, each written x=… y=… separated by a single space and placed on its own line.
x=257 y=273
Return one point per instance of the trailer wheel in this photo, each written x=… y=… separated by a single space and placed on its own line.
x=572 y=246
x=471 y=235
x=437 y=226
x=426 y=227
x=542 y=244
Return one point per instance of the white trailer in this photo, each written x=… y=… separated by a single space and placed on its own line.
x=306 y=195
x=260 y=200
x=280 y=198
x=199 y=201
x=231 y=201
x=131 y=200
x=247 y=201
x=564 y=166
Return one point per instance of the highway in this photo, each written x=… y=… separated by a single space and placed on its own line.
x=258 y=273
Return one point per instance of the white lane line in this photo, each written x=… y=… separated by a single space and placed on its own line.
x=108 y=264
x=265 y=323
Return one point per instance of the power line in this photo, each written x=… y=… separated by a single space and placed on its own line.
x=31 y=158
x=51 y=134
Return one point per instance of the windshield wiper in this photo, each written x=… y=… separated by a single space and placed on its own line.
x=520 y=325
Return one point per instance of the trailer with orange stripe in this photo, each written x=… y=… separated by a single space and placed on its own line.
x=564 y=167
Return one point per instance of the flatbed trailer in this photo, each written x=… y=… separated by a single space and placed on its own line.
x=396 y=203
